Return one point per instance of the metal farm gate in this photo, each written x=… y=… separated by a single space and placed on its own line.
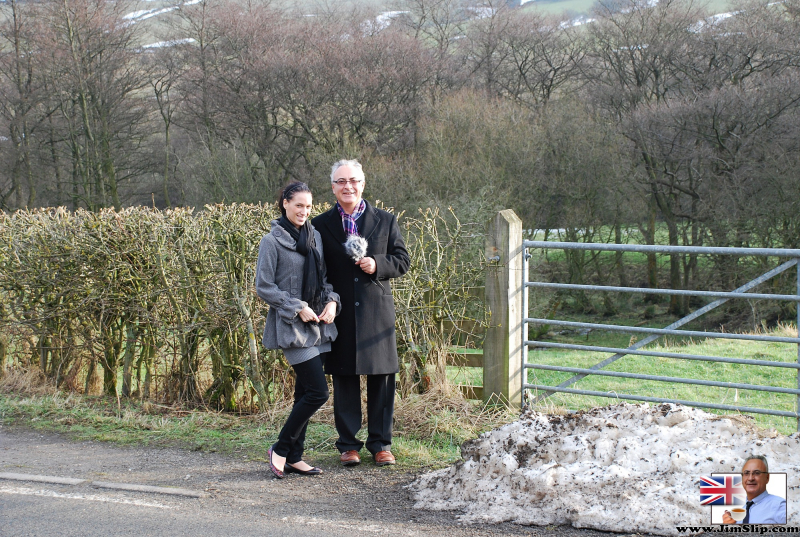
x=506 y=353
x=652 y=334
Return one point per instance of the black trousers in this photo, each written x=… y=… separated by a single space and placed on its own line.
x=310 y=393
x=380 y=411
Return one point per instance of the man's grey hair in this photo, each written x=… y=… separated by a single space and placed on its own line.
x=761 y=458
x=356 y=165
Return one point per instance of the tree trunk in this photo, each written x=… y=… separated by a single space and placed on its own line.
x=127 y=360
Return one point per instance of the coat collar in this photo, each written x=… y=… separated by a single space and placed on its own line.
x=282 y=236
x=333 y=222
x=367 y=223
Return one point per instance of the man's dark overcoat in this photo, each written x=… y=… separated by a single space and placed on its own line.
x=367 y=344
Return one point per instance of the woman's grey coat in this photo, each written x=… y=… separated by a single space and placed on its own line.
x=279 y=283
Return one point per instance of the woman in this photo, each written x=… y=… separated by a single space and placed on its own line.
x=291 y=278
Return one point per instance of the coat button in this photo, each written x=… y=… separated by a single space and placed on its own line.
x=356 y=279
x=356 y=303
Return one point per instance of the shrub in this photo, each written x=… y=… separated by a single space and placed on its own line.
x=160 y=305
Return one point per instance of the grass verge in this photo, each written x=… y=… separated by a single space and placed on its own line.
x=429 y=428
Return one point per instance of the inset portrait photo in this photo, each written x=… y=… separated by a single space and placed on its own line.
x=754 y=498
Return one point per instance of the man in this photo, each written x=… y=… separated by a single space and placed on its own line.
x=366 y=344
x=762 y=507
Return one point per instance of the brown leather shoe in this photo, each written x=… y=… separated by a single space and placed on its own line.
x=382 y=458
x=350 y=458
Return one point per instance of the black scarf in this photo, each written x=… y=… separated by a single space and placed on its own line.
x=312 y=269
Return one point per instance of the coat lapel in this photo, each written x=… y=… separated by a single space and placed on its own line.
x=333 y=222
x=368 y=222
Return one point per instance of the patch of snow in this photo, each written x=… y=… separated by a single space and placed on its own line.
x=722 y=16
x=648 y=3
x=712 y=20
x=386 y=17
x=381 y=22
x=624 y=468
x=482 y=12
x=575 y=22
x=137 y=14
x=161 y=44
x=155 y=13
x=143 y=14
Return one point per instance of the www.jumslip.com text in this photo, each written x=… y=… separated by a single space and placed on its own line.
x=738 y=528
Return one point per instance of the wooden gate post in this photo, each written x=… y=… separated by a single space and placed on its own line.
x=502 y=352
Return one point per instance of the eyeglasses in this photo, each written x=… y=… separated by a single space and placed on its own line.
x=351 y=182
x=754 y=473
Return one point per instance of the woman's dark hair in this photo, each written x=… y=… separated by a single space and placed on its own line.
x=289 y=191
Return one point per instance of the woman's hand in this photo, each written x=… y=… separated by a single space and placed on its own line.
x=328 y=313
x=307 y=315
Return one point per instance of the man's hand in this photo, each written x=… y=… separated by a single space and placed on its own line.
x=727 y=519
x=367 y=264
x=328 y=313
x=307 y=315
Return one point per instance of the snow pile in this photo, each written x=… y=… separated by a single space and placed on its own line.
x=625 y=468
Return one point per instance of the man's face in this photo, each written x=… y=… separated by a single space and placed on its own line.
x=754 y=485
x=348 y=195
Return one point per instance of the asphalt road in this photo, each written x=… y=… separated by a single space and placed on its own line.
x=240 y=497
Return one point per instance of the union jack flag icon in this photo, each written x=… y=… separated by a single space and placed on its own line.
x=722 y=490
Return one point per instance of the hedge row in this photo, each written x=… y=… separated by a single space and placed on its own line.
x=160 y=304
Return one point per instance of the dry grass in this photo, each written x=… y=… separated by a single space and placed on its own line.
x=547 y=406
x=781 y=330
x=747 y=424
x=26 y=382
x=440 y=410
x=443 y=410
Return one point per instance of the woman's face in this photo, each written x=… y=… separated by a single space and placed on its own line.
x=298 y=208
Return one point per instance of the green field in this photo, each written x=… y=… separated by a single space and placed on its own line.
x=668 y=367
x=559 y=7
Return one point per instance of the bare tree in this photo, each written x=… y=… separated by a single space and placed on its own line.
x=438 y=25
x=542 y=55
x=97 y=81
x=166 y=70
x=483 y=47
x=701 y=100
x=21 y=102
x=275 y=90
x=636 y=61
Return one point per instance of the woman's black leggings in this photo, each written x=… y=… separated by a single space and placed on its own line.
x=310 y=393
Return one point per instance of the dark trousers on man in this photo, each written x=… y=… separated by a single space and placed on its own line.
x=380 y=411
x=310 y=393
